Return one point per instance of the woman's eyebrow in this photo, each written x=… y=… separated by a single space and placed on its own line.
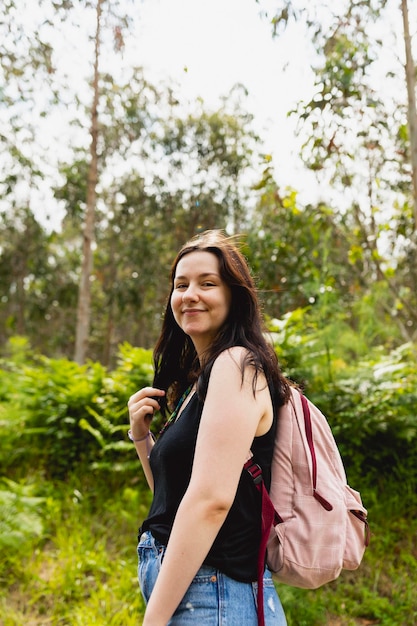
x=203 y=275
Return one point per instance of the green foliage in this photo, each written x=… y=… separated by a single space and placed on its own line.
x=82 y=568
x=369 y=396
x=21 y=520
x=66 y=414
x=75 y=414
x=80 y=534
x=372 y=410
x=58 y=393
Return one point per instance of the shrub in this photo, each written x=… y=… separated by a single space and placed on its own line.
x=21 y=522
x=75 y=414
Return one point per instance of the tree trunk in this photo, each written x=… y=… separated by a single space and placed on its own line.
x=412 y=109
x=110 y=313
x=84 y=293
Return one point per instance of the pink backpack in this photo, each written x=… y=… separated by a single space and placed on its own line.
x=313 y=524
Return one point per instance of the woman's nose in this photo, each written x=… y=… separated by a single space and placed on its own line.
x=190 y=294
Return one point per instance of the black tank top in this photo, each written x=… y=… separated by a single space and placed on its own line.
x=235 y=550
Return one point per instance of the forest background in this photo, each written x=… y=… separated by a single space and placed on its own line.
x=135 y=172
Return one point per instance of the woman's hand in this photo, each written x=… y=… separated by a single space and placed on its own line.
x=142 y=406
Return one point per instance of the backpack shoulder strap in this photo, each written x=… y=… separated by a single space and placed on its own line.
x=269 y=518
x=309 y=435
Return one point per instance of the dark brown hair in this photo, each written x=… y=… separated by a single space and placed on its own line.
x=175 y=358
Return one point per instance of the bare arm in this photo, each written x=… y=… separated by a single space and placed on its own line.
x=231 y=417
x=141 y=409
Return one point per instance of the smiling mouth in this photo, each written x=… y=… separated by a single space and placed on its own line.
x=192 y=311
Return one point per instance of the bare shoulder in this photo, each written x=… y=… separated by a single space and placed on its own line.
x=232 y=358
x=237 y=390
x=235 y=354
x=235 y=362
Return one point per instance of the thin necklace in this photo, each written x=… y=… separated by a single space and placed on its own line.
x=174 y=414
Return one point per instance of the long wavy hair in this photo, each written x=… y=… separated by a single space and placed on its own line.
x=176 y=364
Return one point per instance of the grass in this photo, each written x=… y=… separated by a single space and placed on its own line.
x=81 y=570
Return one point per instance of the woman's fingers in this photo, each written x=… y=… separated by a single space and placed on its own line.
x=142 y=406
x=146 y=392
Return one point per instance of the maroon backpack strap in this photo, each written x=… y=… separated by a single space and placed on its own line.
x=309 y=434
x=268 y=519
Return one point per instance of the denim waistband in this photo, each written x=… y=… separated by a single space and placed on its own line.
x=147 y=540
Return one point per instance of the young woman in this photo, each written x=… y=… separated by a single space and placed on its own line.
x=199 y=545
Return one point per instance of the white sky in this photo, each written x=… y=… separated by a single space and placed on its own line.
x=221 y=43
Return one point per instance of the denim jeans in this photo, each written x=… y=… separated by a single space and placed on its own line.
x=213 y=599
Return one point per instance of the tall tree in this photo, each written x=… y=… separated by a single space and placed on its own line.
x=98 y=89
x=84 y=294
x=357 y=142
x=410 y=75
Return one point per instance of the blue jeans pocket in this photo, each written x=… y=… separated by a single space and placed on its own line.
x=150 y=555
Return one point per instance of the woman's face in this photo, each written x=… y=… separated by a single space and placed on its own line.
x=200 y=300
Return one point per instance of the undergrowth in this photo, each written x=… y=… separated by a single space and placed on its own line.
x=72 y=495
x=81 y=569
